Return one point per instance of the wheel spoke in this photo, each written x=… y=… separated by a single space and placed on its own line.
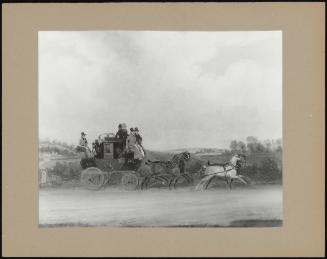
x=93 y=178
x=130 y=181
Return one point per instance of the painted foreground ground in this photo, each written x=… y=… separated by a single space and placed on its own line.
x=256 y=206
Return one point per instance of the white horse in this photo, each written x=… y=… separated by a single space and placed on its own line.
x=227 y=172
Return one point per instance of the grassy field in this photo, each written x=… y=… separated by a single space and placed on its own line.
x=69 y=169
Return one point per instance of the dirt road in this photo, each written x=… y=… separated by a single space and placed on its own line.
x=258 y=206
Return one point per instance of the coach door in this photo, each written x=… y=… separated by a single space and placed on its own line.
x=108 y=150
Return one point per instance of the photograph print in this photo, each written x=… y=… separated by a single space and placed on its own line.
x=160 y=128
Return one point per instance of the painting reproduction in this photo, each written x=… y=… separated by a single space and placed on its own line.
x=160 y=129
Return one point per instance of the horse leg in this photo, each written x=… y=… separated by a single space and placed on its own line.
x=199 y=186
x=188 y=178
x=247 y=179
x=146 y=181
x=170 y=183
x=175 y=180
x=208 y=182
x=227 y=179
x=240 y=178
x=230 y=183
x=165 y=179
x=143 y=183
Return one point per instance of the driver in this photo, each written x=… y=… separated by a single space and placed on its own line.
x=122 y=134
x=236 y=160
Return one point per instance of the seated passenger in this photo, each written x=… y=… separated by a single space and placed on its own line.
x=133 y=146
x=131 y=139
x=139 y=138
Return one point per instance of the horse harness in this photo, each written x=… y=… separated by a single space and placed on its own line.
x=177 y=159
x=224 y=165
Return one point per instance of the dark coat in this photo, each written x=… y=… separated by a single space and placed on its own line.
x=121 y=134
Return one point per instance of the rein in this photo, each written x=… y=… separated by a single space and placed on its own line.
x=225 y=170
x=220 y=172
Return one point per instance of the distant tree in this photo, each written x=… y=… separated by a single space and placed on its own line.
x=260 y=147
x=268 y=145
x=250 y=171
x=254 y=145
x=251 y=139
x=226 y=152
x=241 y=146
x=251 y=143
x=233 y=145
x=237 y=146
x=55 y=141
x=269 y=169
x=279 y=145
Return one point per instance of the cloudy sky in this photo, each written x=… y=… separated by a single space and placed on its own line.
x=181 y=89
